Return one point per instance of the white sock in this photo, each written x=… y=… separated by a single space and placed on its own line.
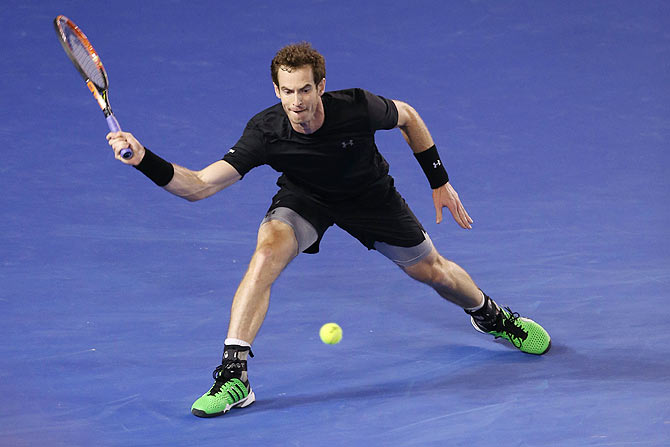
x=236 y=341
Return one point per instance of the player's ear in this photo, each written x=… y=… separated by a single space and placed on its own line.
x=321 y=87
x=276 y=90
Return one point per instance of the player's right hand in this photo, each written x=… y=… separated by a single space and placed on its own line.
x=121 y=140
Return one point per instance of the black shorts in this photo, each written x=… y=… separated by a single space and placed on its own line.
x=386 y=218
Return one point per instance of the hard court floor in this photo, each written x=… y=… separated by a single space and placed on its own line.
x=553 y=118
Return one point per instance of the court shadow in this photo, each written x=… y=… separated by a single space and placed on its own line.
x=466 y=365
x=462 y=365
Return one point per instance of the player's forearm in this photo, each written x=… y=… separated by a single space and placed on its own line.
x=183 y=182
x=186 y=184
x=180 y=181
x=417 y=136
x=192 y=185
x=413 y=129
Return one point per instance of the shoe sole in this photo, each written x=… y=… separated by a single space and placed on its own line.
x=250 y=399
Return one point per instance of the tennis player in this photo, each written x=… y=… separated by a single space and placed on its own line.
x=332 y=174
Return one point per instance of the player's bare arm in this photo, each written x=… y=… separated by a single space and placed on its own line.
x=412 y=127
x=418 y=137
x=188 y=184
x=198 y=185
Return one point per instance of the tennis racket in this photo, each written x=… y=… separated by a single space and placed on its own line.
x=87 y=62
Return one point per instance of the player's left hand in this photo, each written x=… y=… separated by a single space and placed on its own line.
x=447 y=196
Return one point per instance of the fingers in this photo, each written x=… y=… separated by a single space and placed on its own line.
x=448 y=197
x=462 y=217
x=467 y=217
x=118 y=139
x=122 y=140
x=458 y=211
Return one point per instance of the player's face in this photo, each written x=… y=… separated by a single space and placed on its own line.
x=300 y=97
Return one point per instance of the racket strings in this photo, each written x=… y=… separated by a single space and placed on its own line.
x=86 y=60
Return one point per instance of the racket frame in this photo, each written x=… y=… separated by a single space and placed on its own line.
x=99 y=91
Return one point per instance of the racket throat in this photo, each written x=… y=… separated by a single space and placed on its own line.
x=102 y=100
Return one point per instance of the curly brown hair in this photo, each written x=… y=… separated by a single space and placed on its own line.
x=298 y=55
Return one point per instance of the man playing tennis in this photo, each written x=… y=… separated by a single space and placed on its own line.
x=332 y=173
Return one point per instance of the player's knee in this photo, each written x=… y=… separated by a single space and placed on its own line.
x=276 y=243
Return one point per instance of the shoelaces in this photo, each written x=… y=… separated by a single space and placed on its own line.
x=511 y=327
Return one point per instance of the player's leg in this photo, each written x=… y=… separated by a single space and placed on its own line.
x=406 y=244
x=423 y=263
x=454 y=284
x=276 y=247
x=283 y=234
x=448 y=279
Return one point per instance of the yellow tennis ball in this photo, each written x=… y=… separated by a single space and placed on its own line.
x=330 y=333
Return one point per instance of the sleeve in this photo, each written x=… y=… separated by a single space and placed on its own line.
x=382 y=112
x=249 y=151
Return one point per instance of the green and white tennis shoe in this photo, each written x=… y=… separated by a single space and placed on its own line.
x=224 y=395
x=525 y=334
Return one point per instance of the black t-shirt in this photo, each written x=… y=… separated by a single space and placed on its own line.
x=338 y=162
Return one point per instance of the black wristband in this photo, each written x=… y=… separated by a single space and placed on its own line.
x=158 y=170
x=432 y=166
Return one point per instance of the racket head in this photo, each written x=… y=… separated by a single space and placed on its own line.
x=81 y=52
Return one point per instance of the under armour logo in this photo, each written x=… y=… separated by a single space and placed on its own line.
x=347 y=143
x=436 y=164
x=232 y=151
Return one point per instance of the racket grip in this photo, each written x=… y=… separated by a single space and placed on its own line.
x=113 y=125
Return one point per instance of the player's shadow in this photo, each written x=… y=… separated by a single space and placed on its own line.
x=462 y=365
x=560 y=364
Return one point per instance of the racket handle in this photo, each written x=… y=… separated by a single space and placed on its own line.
x=113 y=125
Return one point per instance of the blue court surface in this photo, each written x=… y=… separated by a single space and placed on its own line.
x=554 y=120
